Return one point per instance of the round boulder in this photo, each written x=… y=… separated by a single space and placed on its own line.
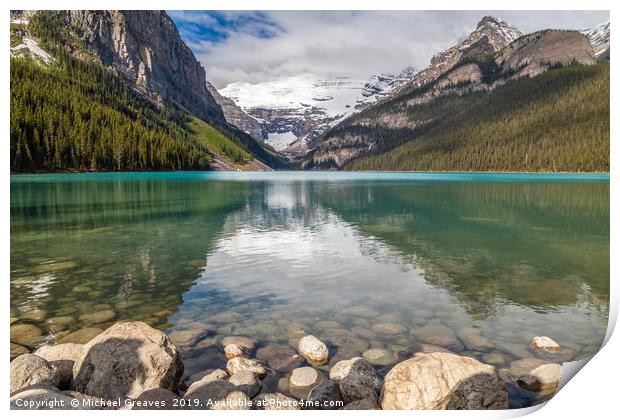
x=28 y=369
x=125 y=360
x=325 y=396
x=246 y=382
x=357 y=379
x=439 y=381
x=314 y=350
x=548 y=349
x=304 y=377
x=234 y=350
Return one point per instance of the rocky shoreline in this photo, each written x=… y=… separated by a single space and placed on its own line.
x=131 y=365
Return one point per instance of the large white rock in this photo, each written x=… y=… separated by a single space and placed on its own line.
x=125 y=360
x=314 y=350
x=443 y=381
x=304 y=377
x=28 y=369
x=357 y=379
x=548 y=349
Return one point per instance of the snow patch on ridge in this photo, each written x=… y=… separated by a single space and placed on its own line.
x=31 y=47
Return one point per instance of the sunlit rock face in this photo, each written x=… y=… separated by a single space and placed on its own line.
x=146 y=49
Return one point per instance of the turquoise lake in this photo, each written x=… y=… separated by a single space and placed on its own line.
x=361 y=260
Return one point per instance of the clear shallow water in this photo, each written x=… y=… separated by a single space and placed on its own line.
x=264 y=254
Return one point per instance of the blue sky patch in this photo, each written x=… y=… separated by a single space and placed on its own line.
x=217 y=26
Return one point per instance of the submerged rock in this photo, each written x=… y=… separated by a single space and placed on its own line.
x=357 y=379
x=443 y=381
x=380 y=357
x=98 y=317
x=389 y=328
x=439 y=335
x=28 y=369
x=126 y=360
x=280 y=358
x=82 y=336
x=239 y=364
x=187 y=338
x=473 y=340
x=26 y=334
x=314 y=350
x=17 y=350
x=520 y=367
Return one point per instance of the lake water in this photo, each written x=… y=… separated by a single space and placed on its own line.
x=360 y=260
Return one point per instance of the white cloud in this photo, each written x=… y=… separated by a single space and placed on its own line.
x=356 y=44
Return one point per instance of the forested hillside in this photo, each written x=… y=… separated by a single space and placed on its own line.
x=557 y=121
x=73 y=113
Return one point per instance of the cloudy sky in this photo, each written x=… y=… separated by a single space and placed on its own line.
x=266 y=45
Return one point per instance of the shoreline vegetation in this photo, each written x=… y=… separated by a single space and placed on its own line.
x=145 y=365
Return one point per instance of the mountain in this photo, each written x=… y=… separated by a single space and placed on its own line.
x=599 y=38
x=482 y=66
x=294 y=110
x=236 y=116
x=161 y=116
x=491 y=35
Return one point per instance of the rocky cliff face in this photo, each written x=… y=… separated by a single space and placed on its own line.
x=145 y=48
x=532 y=54
x=236 y=116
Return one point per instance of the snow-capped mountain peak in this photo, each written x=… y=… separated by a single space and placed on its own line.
x=292 y=108
x=491 y=35
x=599 y=37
